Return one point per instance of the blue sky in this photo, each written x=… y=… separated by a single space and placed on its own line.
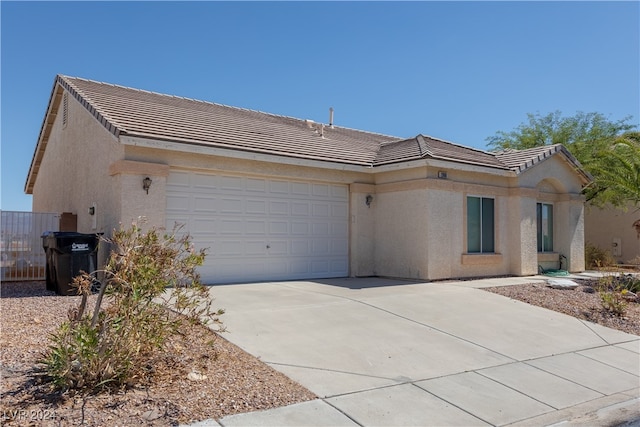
x=459 y=71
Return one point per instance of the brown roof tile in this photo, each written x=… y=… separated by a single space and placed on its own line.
x=139 y=113
x=521 y=160
x=134 y=112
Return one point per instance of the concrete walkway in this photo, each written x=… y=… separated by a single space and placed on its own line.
x=388 y=352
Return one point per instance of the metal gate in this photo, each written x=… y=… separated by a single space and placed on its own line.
x=21 y=244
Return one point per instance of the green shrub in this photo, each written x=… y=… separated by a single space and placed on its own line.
x=614 y=290
x=630 y=282
x=598 y=258
x=116 y=346
x=614 y=302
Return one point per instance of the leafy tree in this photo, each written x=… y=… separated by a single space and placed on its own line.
x=608 y=150
x=618 y=171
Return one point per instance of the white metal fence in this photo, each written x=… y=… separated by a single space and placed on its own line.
x=23 y=257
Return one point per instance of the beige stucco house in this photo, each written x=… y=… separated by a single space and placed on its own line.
x=276 y=198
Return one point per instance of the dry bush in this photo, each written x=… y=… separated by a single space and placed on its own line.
x=598 y=258
x=117 y=344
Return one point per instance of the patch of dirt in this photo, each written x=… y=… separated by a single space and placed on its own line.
x=227 y=380
x=582 y=302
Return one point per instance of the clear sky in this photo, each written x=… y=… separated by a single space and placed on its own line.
x=460 y=71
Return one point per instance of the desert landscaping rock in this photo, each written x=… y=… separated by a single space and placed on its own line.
x=562 y=284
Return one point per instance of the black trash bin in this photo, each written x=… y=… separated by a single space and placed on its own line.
x=67 y=254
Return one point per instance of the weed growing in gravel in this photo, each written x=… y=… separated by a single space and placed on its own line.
x=616 y=289
x=614 y=302
x=117 y=344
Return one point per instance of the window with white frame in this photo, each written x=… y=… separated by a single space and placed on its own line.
x=480 y=225
x=544 y=217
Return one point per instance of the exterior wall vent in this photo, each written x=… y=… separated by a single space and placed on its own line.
x=442 y=174
x=65 y=109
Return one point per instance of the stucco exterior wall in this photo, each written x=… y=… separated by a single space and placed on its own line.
x=74 y=174
x=401 y=234
x=362 y=233
x=608 y=225
x=555 y=182
x=556 y=171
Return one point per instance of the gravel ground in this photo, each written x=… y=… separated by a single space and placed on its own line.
x=235 y=381
x=582 y=302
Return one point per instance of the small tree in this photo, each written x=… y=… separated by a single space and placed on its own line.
x=117 y=344
x=607 y=149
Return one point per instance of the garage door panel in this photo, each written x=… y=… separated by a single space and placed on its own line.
x=180 y=179
x=229 y=205
x=278 y=268
x=256 y=227
x=339 y=229
x=320 y=247
x=339 y=247
x=321 y=190
x=178 y=203
x=300 y=208
x=278 y=208
x=300 y=188
x=202 y=225
x=205 y=204
x=278 y=227
x=204 y=182
x=300 y=228
x=256 y=207
x=254 y=248
x=231 y=248
x=231 y=226
x=339 y=265
x=233 y=183
x=261 y=229
x=300 y=247
x=339 y=211
x=320 y=210
x=301 y=268
x=320 y=229
x=172 y=220
x=319 y=267
x=339 y=191
x=257 y=185
x=279 y=187
x=278 y=247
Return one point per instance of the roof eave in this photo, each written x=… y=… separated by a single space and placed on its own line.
x=43 y=137
x=199 y=147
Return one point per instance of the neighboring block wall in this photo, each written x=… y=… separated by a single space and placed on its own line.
x=608 y=226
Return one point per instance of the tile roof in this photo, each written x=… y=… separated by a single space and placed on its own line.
x=521 y=160
x=138 y=113
x=425 y=146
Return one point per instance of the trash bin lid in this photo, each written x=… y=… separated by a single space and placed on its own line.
x=73 y=242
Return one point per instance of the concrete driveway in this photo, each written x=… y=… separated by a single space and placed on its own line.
x=389 y=352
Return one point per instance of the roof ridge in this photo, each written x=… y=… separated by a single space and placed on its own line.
x=423 y=145
x=282 y=116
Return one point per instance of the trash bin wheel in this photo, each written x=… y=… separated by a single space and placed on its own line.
x=49 y=278
x=95 y=285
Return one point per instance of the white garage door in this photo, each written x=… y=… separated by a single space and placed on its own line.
x=261 y=229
